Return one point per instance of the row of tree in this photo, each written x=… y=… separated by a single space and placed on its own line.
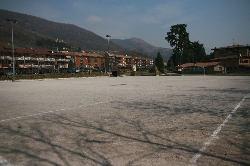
x=184 y=51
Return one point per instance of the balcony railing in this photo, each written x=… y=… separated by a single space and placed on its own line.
x=47 y=66
x=27 y=58
x=50 y=59
x=8 y=57
x=63 y=60
x=34 y=66
x=41 y=59
x=63 y=66
x=19 y=58
x=26 y=65
x=35 y=59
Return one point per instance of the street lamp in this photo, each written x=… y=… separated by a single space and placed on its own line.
x=13 y=60
x=107 y=57
x=108 y=36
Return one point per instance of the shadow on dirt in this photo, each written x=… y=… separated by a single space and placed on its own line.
x=65 y=140
x=149 y=128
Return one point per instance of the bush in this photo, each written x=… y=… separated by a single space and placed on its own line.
x=133 y=73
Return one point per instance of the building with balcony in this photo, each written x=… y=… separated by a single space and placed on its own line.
x=107 y=62
x=233 y=58
x=84 y=60
x=30 y=59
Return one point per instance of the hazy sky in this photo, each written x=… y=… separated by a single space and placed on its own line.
x=214 y=23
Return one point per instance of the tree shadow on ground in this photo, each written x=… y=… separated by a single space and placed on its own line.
x=133 y=133
x=72 y=138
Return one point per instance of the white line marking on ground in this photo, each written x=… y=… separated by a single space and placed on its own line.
x=47 y=112
x=214 y=135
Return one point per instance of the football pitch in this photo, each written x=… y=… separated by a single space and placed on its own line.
x=126 y=121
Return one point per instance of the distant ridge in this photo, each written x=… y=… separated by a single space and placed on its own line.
x=150 y=50
x=29 y=28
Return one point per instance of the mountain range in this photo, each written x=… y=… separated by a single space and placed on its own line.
x=139 y=45
x=29 y=29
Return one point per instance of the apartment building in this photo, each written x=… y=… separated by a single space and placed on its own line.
x=233 y=58
x=82 y=59
x=55 y=60
x=106 y=61
x=26 y=59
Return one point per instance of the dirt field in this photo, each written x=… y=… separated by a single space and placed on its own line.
x=123 y=121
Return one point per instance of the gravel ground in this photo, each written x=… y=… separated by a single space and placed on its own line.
x=126 y=121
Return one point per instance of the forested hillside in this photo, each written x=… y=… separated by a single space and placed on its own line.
x=35 y=32
x=30 y=28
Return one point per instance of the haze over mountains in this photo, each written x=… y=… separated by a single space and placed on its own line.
x=140 y=45
x=30 y=28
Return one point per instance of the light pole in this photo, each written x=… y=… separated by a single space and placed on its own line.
x=108 y=36
x=108 y=68
x=13 y=60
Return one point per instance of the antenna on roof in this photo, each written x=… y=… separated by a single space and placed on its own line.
x=233 y=41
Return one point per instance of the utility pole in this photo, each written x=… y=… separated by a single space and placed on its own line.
x=108 y=68
x=13 y=60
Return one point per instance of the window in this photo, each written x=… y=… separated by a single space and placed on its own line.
x=243 y=61
x=235 y=50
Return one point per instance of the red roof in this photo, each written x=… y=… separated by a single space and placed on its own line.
x=198 y=64
x=31 y=51
x=3 y=49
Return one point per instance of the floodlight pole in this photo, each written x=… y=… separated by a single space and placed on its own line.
x=108 y=36
x=13 y=60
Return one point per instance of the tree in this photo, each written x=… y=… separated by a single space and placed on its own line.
x=179 y=39
x=188 y=53
x=152 y=69
x=71 y=64
x=211 y=55
x=79 y=49
x=159 y=62
x=170 y=64
x=4 y=61
x=198 y=52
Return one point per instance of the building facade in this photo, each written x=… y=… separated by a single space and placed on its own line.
x=200 y=67
x=53 y=61
x=30 y=59
x=107 y=62
x=233 y=58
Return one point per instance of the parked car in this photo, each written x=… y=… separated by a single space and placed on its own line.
x=96 y=70
x=27 y=72
x=41 y=72
x=9 y=73
x=63 y=71
x=71 y=71
x=2 y=73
